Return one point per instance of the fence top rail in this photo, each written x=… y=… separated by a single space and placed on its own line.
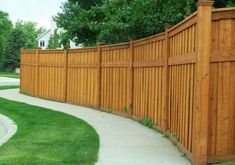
x=27 y=51
x=153 y=38
x=223 y=13
x=51 y=51
x=187 y=22
x=116 y=46
x=86 y=49
x=223 y=9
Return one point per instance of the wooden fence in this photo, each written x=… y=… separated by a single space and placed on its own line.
x=183 y=79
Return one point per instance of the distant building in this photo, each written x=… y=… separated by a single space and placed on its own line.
x=43 y=39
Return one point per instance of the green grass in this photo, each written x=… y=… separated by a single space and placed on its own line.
x=10 y=75
x=147 y=122
x=227 y=163
x=47 y=137
x=9 y=87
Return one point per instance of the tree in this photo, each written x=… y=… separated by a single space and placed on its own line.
x=75 y=20
x=54 y=40
x=224 y=3
x=11 y=54
x=114 y=21
x=136 y=19
x=31 y=33
x=119 y=20
x=5 y=29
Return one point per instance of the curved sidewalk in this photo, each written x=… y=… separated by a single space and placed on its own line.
x=122 y=141
x=9 y=81
x=8 y=129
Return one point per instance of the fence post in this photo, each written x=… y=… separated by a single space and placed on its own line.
x=37 y=72
x=200 y=121
x=99 y=52
x=131 y=79
x=21 y=59
x=65 y=75
x=166 y=79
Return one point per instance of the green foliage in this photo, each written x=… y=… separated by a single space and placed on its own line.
x=224 y=3
x=54 y=40
x=75 y=20
x=11 y=54
x=119 y=20
x=5 y=29
x=147 y=122
x=137 y=19
x=125 y=109
x=91 y=22
x=227 y=163
x=166 y=134
x=31 y=33
x=86 y=4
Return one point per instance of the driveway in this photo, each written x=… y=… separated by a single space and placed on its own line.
x=122 y=141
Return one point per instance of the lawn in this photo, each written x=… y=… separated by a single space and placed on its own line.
x=228 y=163
x=10 y=75
x=47 y=137
x=9 y=87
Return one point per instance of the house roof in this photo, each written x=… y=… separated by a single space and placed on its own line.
x=40 y=36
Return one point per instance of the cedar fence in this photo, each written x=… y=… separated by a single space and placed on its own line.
x=183 y=79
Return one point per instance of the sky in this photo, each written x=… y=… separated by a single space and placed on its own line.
x=39 y=11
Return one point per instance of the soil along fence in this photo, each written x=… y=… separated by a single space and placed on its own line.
x=182 y=79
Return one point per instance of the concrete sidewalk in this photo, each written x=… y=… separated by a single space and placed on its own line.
x=9 y=81
x=7 y=129
x=122 y=141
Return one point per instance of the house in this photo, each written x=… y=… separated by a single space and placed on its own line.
x=43 y=39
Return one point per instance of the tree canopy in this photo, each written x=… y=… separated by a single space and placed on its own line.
x=11 y=54
x=31 y=33
x=54 y=40
x=12 y=38
x=113 y=21
x=5 y=29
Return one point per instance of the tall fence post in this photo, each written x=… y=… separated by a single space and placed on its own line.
x=21 y=60
x=166 y=79
x=99 y=52
x=37 y=72
x=200 y=122
x=131 y=79
x=65 y=75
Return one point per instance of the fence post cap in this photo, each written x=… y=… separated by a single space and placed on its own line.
x=100 y=44
x=205 y=3
x=131 y=40
x=168 y=27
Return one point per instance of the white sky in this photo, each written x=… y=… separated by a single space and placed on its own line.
x=39 y=11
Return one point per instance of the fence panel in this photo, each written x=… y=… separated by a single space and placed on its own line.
x=181 y=63
x=148 y=79
x=51 y=80
x=114 y=87
x=222 y=86
x=83 y=77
